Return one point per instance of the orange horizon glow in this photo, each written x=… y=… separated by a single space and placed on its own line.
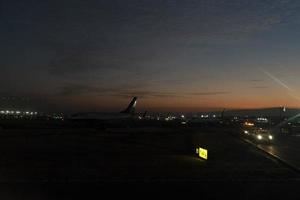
x=182 y=104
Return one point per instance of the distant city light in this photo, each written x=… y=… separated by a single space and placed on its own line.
x=249 y=124
x=17 y=112
x=262 y=119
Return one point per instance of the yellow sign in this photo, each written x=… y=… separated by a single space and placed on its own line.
x=203 y=153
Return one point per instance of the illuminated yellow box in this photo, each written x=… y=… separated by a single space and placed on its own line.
x=203 y=153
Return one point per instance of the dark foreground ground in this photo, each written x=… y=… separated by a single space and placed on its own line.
x=84 y=162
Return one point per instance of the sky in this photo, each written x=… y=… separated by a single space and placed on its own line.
x=174 y=55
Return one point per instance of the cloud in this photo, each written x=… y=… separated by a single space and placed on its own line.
x=77 y=89
x=74 y=89
x=209 y=93
x=225 y=20
x=157 y=94
x=76 y=59
x=135 y=29
x=144 y=37
x=147 y=94
x=256 y=80
x=126 y=91
x=259 y=87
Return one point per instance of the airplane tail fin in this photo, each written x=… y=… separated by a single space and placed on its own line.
x=131 y=107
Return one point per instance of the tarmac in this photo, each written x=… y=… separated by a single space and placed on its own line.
x=71 y=162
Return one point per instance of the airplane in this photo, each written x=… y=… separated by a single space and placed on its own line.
x=128 y=113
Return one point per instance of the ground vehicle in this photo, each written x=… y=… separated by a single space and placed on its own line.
x=259 y=134
x=262 y=135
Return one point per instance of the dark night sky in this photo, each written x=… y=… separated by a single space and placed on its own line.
x=175 y=55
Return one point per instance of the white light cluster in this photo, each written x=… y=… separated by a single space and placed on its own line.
x=17 y=112
x=57 y=117
x=262 y=119
x=170 y=118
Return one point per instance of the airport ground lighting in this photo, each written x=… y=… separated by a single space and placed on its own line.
x=17 y=113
